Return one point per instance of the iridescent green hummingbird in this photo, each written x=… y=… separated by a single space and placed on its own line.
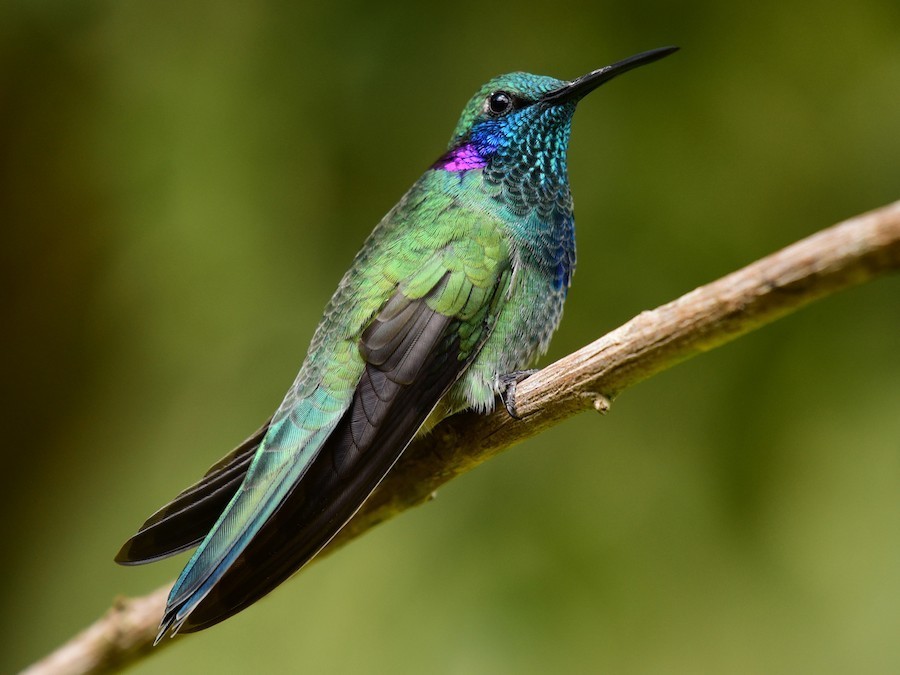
x=455 y=292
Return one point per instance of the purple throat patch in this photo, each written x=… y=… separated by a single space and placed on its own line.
x=463 y=158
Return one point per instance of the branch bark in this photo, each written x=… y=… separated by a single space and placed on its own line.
x=845 y=255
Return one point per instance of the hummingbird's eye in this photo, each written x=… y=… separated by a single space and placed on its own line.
x=499 y=102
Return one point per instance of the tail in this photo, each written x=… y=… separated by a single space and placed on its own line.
x=284 y=456
x=185 y=521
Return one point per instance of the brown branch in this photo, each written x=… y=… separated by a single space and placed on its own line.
x=842 y=256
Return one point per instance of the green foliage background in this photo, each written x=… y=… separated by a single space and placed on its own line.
x=182 y=184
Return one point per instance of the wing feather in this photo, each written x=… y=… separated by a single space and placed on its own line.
x=412 y=357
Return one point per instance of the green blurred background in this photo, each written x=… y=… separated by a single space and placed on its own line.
x=182 y=184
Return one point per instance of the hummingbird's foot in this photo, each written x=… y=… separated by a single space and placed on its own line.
x=507 y=385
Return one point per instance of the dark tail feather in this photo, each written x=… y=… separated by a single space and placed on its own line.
x=316 y=509
x=184 y=522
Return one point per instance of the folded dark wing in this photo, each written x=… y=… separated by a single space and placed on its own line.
x=412 y=357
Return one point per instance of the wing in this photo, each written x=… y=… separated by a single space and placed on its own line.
x=413 y=350
x=185 y=521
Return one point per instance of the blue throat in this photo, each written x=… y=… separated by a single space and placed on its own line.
x=523 y=163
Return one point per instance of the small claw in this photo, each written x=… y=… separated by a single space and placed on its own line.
x=508 y=396
x=507 y=386
x=602 y=404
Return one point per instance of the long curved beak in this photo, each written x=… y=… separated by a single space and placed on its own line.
x=577 y=89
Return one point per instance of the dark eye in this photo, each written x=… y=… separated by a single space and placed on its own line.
x=499 y=102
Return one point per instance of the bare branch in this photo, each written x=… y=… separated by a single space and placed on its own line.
x=842 y=256
x=120 y=637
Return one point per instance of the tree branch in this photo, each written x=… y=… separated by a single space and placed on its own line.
x=842 y=256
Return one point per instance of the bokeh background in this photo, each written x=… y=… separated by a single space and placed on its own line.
x=182 y=184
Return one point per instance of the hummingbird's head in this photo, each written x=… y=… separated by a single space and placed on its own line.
x=517 y=126
x=506 y=112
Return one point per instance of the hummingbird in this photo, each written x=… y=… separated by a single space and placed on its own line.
x=451 y=300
